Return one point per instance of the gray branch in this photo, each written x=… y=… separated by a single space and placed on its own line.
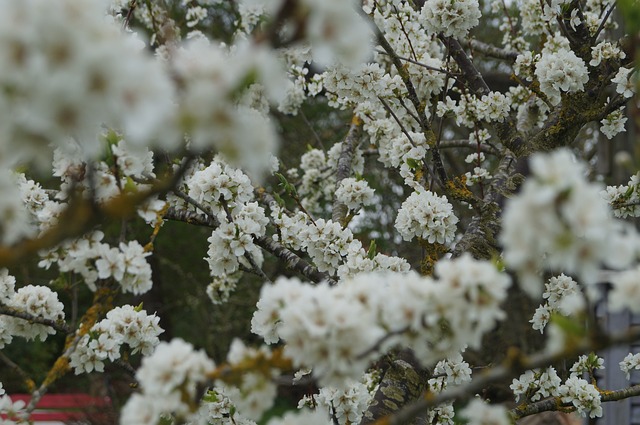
x=493 y=51
x=511 y=367
x=339 y=212
x=58 y=325
x=551 y=404
x=291 y=260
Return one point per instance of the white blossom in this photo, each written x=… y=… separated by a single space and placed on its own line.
x=561 y=72
x=452 y=18
x=427 y=216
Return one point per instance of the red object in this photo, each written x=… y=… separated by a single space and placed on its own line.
x=64 y=407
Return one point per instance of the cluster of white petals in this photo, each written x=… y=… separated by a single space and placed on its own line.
x=354 y=193
x=337 y=33
x=560 y=72
x=427 y=216
x=563 y=296
x=537 y=384
x=216 y=407
x=453 y=18
x=559 y=222
x=629 y=363
x=168 y=379
x=624 y=199
x=626 y=291
x=77 y=72
x=604 y=51
x=332 y=248
x=255 y=392
x=625 y=81
x=339 y=330
x=211 y=77
x=614 y=123
x=347 y=403
x=584 y=396
x=123 y=325
x=95 y=260
x=587 y=364
x=35 y=300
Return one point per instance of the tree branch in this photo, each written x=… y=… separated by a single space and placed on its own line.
x=291 y=260
x=339 y=211
x=58 y=325
x=514 y=364
x=494 y=51
x=549 y=404
x=413 y=96
x=507 y=132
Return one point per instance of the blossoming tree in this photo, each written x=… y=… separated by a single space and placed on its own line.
x=116 y=111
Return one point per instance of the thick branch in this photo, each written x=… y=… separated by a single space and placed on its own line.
x=479 y=238
x=401 y=384
x=549 y=404
x=511 y=367
x=343 y=171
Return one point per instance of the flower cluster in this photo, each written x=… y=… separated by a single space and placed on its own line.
x=212 y=76
x=338 y=330
x=427 y=216
x=168 y=379
x=560 y=72
x=563 y=296
x=613 y=123
x=231 y=244
x=604 y=51
x=453 y=371
x=336 y=32
x=624 y=199
x=583 y=395
x=559 y=222
x=630 y=362
x=217 y=407
x=587 y=364
x=346 y=404
x=452 y=18
x=95 y=260
x=626 y=291
x=77 y=72
x=123 y=325
x=537 y=384
x=37 y=301
x=256 y=391
x=354 y=193
x=331 y=247
x=625 y=82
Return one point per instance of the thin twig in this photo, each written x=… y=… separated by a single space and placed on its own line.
x=58 y=325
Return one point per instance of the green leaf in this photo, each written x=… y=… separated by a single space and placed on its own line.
x=279 y=200
x=372 y=250
x=138 y=308
x=570 y=325
x=413 y=164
